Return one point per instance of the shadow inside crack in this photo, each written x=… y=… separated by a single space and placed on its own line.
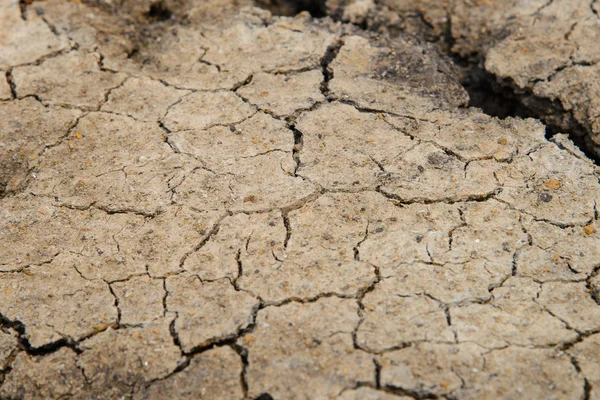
x=502 y=100
x=264 y=396
x=487 y=96
x=316 y=8
x=159 y=12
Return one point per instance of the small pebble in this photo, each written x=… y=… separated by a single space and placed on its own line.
x=545 y=197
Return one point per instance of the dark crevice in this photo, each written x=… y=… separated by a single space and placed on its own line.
x=594 y=291
x=377 y=374
x=264 y=396
x=173 y=332
x=43 y=350
x=238 y=259
x=316 y=8
x=164 y=299
x=587 y=389
x=23 y=4
x=513 y=270
x=357 y=247
x=116 y=304
x=503 y=99
x=133 y=53
x=11 y=84
x=288 y=229
x=486 y=94
x=330 y=55
x=159 y=12
x=205 y=239
x=243 y=353
x=298 y=145
x=410 y=393
x=239 y=84
x=484 y=91
x=448 y=317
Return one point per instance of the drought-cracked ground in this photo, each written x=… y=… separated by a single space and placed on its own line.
x=201 y=200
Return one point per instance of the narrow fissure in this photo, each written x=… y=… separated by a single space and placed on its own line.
x=23 y=4
x=587 y=389
x=174 y=334
x=116 y=304
x=377 y=374
x=288 y=230
x=43 y=350
x=11 y=84
x=238 y=259
x=298 y=145
x=243 y=353
x=330 y=55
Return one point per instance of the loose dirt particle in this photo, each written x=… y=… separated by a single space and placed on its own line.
x=553 y=184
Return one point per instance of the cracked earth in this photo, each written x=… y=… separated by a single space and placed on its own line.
x=206 y=200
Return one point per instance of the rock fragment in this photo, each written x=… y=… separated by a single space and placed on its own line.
x=318 y=256
x=16 y=47
x=338 y=138
x=239 y=240
x=469 y=371
x=512 y=317
x=140 y=300
x=283 y=95
x=393 y=77
x=27 y=128
x=55 y=303
x=315 y=351
x=219 y=148
x=115 y=361
x=207 y=312
x=386 y=308
x=542 y=197
x=45 y=377
x=586 y=353
x=571 y=302
x=203 y=110
x=73 y=79
x=128 y=175
x=213 y=374
x=143 y=99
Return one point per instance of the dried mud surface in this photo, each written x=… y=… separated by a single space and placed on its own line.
x=207 y=201
x=541 y=54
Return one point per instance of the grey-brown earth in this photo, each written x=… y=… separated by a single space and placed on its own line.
x=204 y=200
x=541 y=56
